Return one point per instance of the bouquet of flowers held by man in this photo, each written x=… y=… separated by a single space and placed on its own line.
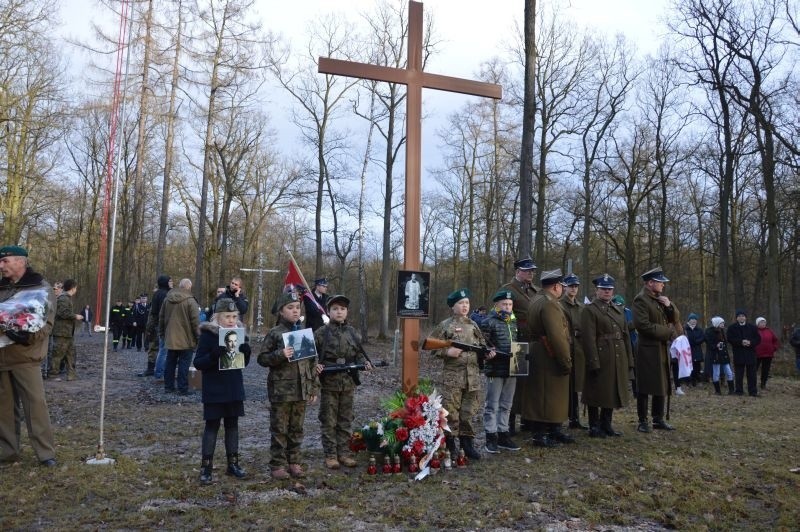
x=414 y=427
x=25 y=311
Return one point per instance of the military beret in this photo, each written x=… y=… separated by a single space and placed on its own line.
x=571 y=280
x=340 y=299
x=457 y=296
x=656 y=274
x=604 y=281
x=551 y=277
x=225 y=304
x=284 y=299
x=13 y=251
x=524 y=264
x=503 y=294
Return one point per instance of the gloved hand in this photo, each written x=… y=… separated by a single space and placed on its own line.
x=19 y=337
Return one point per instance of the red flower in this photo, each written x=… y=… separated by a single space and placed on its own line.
x=413 y=422
x=418 y=448
x=401 y=434
x=400 y=413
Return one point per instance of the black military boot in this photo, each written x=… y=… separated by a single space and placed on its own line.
x=512 y=424
x=606 y=415
x=151 y=366
x=731 y=391
x=541 y=439
x=659 y=423
x=717 y=390
x=233 y=466
x=556 y=434
x=469 y=450
x=504 y=441
x=450 y=441
x=491 y=443
x=594 y=423
x=205 y=469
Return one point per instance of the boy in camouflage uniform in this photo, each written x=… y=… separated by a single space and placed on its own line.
x=461 y=375
x=289 y=386
x=338 y=343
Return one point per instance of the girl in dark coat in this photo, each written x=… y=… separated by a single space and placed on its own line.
x=696 y=337
x=718 y=354
x=223 y=389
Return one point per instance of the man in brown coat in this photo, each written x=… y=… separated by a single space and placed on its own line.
x=21 y=355
x=609 y=358
x=657 y=321
x=524 y=291
x=572 y=309
x=546 y=399
x=179 y=325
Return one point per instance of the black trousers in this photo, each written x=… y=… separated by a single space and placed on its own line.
x=657 y=410
x=764 y=364
x=740 y=370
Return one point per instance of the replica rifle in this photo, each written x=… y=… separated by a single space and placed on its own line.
x=352 y=369
x=431 y=344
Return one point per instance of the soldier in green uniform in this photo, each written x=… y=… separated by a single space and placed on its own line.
x=657 y=321
x=546 y=402
x=338 y=343
x=289 y=386
x=609 y=358
x=460 y=381
x=572 y=309
x=524 y=291
x=64 y=332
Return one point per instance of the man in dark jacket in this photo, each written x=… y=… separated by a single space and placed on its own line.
x=697 y=337
x=315 y=314
x=138 y=321
x=116 y=320
x=234 y=291
x=179 y=327
x=157 y=353
x=744 y=337
x=21 y=356
x=657 y=321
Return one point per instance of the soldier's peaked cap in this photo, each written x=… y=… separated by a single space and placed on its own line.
x=656 y=274
x=551 y=277
x=524 y=264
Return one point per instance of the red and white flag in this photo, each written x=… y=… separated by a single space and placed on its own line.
x=295 y=280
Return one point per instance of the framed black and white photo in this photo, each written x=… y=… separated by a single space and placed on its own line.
x=231 y=339
x=518 y=365
x=302 y=342
x=413 y=294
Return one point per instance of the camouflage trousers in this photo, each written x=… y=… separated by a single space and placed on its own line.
x=336 y=418
x=286 y=430
x=63 y=349
x=462 y=405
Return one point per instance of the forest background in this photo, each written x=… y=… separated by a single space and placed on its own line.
x=598 y=156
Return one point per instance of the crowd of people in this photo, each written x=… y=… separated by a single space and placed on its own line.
x=599 y=353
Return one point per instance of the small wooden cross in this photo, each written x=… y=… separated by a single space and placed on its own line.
x=415 y=79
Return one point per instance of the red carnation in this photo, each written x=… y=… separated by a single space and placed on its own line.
x=401 y=434
x=413 y=422
x=418 y=448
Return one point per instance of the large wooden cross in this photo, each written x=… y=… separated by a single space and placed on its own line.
x=415 y=79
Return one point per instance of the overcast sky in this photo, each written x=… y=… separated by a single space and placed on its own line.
x=469 y=31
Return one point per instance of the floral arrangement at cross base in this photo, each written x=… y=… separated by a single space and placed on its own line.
x=414 y=427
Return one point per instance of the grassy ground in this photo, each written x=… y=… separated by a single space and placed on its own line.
x=727 y=467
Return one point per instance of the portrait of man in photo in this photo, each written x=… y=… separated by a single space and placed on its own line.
x=231 y=339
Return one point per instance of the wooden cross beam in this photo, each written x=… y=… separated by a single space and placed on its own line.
x=415 y=79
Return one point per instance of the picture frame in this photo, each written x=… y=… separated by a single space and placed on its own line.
x=231 y=339
x=413 y=294
x=518 y=365
x=303 y=343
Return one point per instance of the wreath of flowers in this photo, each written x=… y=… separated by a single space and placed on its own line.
x=25 y=311
x=414 y=427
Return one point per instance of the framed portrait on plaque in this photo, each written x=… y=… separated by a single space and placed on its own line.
x=518 y=365
x=413 y=294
